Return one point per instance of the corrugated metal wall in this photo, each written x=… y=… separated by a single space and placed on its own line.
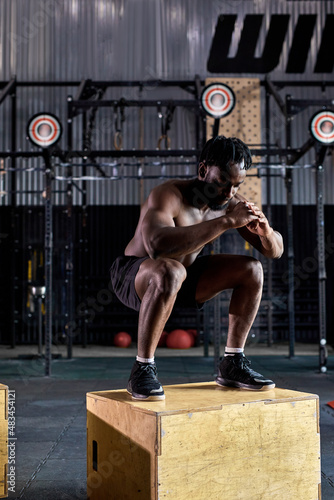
x=139 y=40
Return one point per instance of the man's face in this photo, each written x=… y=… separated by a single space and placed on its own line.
x=221 y=185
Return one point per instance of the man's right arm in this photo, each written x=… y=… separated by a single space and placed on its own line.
x=163 y=239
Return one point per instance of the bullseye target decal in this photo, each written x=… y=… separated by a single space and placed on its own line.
x=217 y=100
x=322 y=126
x=44 y=129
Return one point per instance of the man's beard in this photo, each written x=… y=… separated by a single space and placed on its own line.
x=206 y=194
x=216 y=207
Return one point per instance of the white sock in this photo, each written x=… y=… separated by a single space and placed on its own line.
x=231 y=351
x=145 y=360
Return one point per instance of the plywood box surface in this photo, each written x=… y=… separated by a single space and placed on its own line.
x=203 y=441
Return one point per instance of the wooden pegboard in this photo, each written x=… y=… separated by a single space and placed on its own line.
x=245 y=123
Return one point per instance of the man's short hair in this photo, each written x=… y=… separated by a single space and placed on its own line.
x=222 y=151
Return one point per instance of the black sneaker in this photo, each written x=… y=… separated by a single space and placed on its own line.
x=235 y=371
x=143 y=383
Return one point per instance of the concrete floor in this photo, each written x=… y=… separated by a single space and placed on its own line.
x=51 y=411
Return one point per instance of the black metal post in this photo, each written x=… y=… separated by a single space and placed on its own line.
x=40 y=324
x=12 y=202
x=215 y=130
x=291 y=256
x=197 y=93
x=269 y=216
x=321 y=260
x=69 y=239
x=48 y=250
x=84 y=238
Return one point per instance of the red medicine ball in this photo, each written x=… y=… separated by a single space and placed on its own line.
x=122 y=339
x=179 y=339
x=193 y=333
x=163 y=338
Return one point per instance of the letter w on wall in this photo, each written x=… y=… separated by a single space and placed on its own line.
x=246 y=62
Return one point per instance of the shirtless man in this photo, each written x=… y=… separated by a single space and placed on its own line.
x=160 y=266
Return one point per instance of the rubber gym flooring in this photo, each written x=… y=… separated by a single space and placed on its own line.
x=51 y=411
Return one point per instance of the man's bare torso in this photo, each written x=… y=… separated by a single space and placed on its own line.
x=189 y=214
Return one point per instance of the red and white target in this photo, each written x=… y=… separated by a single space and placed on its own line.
x=217 y=100
x=44 y=129
x=322 y=126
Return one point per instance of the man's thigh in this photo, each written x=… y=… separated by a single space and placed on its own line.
x=222 y=272
x=123 y=273
x=151 y=268
x=186 y=295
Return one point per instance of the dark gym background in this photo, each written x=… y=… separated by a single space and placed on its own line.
x=100 y=235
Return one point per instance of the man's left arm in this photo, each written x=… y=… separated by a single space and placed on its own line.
x=261 y=235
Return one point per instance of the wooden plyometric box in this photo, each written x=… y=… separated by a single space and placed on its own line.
x=203 y=441
x=3 y=440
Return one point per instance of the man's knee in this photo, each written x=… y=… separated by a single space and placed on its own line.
x=254 y=270
x=168 y=276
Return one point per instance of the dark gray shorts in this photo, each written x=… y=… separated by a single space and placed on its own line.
x=123 y=272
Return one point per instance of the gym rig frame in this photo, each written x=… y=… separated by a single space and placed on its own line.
x=81 y=103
